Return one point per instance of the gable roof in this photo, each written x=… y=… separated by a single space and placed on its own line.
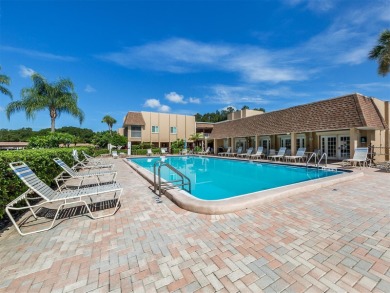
x=134 y=118
x=344 y=112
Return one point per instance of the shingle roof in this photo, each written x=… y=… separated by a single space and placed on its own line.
x=133 y=118
x=344 y=112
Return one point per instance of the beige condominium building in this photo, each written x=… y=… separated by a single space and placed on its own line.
x=335 y=126
x=160 y=129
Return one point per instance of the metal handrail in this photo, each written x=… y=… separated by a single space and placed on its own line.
x=326 y=160
x=182 y=176
x=310 y=157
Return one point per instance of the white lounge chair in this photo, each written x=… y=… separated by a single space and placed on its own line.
x=247 y=154
x=42 y=191
x=300 y=155
x=359 y=157
x=149 y=152
x=258 y=154
x=225 y=153
x=81 y=176
x=280 y=154
x=206 y=152
x=183 y=152
x=85 y=165
x=163 y=151
x=239 y=151
x=94 y=160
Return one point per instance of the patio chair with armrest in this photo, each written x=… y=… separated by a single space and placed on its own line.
x=81 y=176
x=239 y=151
x=300 y=155
x=359 y=157
x=247 y=154
x=94 y=160
x=279 y=155
x=259 y=153
x=206 y=152
x=225 y=153
x=47 y=195
x=86 y=165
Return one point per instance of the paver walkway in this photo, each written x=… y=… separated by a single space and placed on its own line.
x=336 y=239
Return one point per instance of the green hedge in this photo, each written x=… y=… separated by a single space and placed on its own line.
x=143 y=152
x=40 y=161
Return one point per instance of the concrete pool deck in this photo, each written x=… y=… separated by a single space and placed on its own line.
x=335 y=239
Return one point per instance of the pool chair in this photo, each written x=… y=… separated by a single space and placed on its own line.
x=279 y=155
x=149 y=152
x=86 y=165
x=206 y=152
x=239 y=151
x=258 y=154
x=247 y=154
x=183 y=152
x=94 y=160
x=359 y=157
x=225 y=153
x=300 y=155
x=38 y=190
x=163 y=151
x=81 y=176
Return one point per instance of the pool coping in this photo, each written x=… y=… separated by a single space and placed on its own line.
x=215 y=207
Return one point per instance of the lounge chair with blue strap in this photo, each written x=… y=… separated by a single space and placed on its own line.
x=38 y=190
x=82 y=176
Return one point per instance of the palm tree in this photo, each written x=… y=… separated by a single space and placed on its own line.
x=196 y=137
x=110 y=122
x=58 y=97
x=381 y=52
x=4 y=79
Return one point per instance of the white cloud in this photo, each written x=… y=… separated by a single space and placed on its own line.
x=89 y=89
x=25 y=71
x=155 y=104
x=194 y=100
x=175 y=98
x=182 y=56
x=314 y=5
x=164 y=108
x=38 y=54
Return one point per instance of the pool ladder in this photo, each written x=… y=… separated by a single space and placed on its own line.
x=183 y=182
x=315 y=156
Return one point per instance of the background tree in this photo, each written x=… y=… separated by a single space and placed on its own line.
x=245 y=107
x=5 y=80
x=381 y=52
x=110 y=122
x=58 y=97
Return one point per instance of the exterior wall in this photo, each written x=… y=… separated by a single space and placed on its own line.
x=381 y=140
x=243 y=114
x=185 y=127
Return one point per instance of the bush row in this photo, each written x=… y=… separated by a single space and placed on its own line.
x=40 y=161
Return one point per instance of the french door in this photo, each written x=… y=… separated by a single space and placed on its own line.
x=329 y=146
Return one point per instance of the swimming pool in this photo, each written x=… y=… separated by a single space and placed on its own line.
x=219 y=179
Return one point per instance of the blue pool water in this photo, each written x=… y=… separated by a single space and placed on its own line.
x=214 y=179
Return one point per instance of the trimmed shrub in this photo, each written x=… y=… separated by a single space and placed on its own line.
x=40 y=161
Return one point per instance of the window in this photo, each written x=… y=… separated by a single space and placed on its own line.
x=135 y=131
x=154 y=129
x=173 y=130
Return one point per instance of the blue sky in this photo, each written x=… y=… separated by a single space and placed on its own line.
x=190 y=56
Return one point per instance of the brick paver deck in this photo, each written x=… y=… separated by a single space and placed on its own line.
x=336 y=240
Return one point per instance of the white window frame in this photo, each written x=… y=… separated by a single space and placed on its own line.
x=173 y=128
x=155 y=129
